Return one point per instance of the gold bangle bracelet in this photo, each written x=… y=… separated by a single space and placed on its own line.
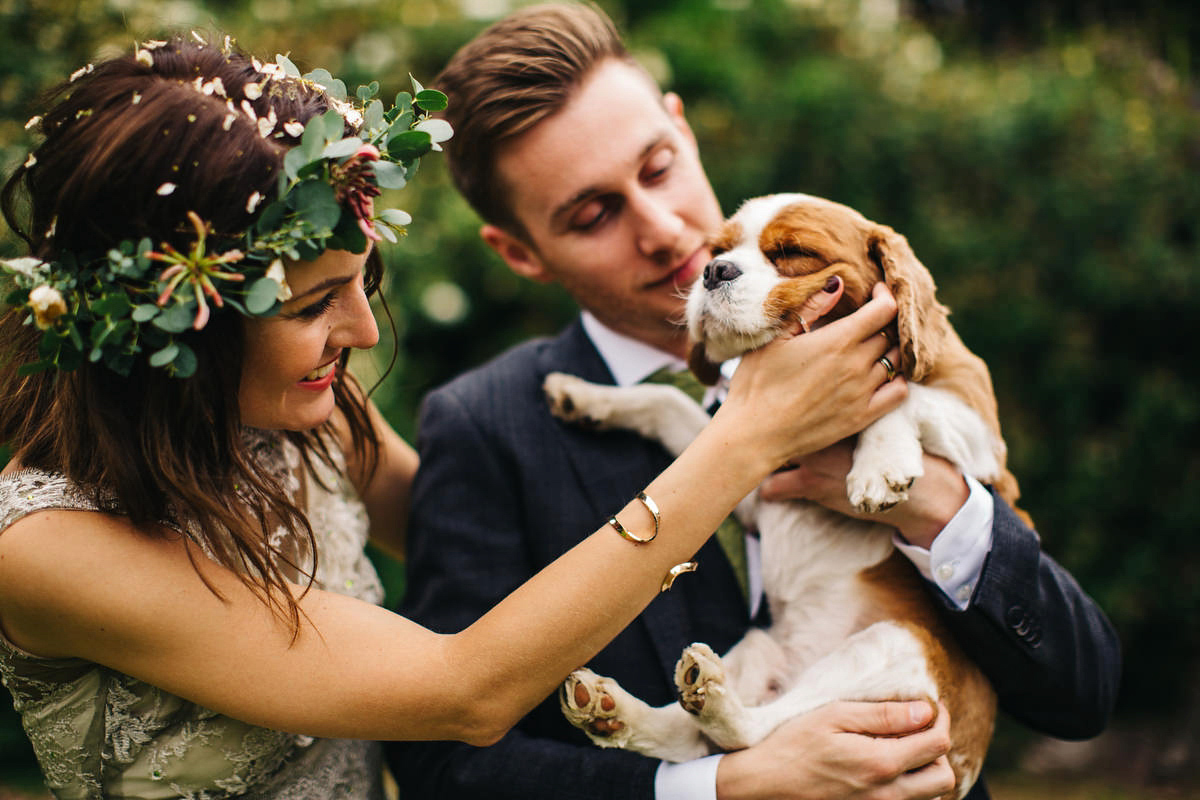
x=674 y=572
x=652 y=507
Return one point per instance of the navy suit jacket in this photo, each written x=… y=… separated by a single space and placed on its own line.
x=504 y=488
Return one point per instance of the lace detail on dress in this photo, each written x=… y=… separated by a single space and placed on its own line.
x=99 y=733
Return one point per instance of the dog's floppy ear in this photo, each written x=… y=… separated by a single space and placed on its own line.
x=920 y=319
x=705 y=371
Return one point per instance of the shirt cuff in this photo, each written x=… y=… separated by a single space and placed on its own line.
x=689 y=780
x=955 y=560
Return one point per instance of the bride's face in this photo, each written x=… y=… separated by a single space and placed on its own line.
x=291 y=359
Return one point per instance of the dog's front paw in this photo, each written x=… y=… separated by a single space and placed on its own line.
x=589 y=702
x=699 y=677
x=871 y=491
x=572 y=399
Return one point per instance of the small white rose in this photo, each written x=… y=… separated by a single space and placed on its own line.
x=293 y=128
x=28 y=266
x=48 y=305
x=253 y=91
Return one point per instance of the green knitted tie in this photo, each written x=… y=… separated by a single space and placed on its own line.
x=730 y=533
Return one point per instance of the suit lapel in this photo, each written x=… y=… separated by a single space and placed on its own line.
x=611 y=467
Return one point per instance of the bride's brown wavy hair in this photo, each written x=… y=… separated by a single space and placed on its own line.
x=165 y=448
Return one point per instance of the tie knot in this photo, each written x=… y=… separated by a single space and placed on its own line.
x=681 y=379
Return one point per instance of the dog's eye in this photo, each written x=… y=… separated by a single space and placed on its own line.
x=786 y=251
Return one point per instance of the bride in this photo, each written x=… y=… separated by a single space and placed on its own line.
x=185 y=606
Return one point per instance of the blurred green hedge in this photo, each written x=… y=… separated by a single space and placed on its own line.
x=1051 y=190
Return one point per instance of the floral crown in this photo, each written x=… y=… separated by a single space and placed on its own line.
x=135 y=301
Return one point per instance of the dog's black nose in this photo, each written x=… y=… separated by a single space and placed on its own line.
x=717 y=272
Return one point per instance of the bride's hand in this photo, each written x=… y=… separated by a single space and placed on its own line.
x=800 y=394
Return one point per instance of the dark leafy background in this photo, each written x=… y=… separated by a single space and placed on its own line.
x=1041 y=157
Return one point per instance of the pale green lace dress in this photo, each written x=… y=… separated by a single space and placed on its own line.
x=102 y=734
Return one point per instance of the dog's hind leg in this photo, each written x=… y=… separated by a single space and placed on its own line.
x=611 y=717
x=885 y=661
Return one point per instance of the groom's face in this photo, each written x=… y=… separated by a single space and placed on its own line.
x=614 y=200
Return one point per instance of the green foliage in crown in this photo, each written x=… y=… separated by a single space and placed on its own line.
x=137 y=302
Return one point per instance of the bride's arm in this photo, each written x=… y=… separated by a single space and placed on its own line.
x=354 y=670
x=92 y=586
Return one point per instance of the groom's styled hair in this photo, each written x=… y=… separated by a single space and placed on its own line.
x=509 y=78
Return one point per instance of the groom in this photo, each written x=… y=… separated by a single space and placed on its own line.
x=585 y=174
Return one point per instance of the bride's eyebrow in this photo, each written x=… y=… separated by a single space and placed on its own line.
x=328 y=283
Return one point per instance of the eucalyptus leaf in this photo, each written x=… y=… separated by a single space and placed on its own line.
x=373 y=115
x=143 y=247
x=261 y=296
x=165 y=356
x=175 y=318
x=410 y=145
x=74 y=337
x=401 y=124
x=395 y=216
x=294 y=159
x=288 y=67
x=342 y=148
x=36 y=367
x=335 y=87
x=417 y=87
x=335 y=125
x=438 y=129
x=144 y=312
x=431 y=100
x=315 y=203
x=112 y=305
x=185 y=362
x=389 y=175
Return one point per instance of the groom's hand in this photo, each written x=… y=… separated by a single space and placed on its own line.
x=846 y=751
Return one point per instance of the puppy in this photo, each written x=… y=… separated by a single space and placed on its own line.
x=851 y=618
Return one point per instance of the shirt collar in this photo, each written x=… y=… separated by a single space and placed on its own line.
x=631 y=361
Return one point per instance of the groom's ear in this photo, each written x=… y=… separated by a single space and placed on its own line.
x=519 y=256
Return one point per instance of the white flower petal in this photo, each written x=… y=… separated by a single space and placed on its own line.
x=253 y=202
x=293 y=128
x=165 y=189
x=144 y=58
